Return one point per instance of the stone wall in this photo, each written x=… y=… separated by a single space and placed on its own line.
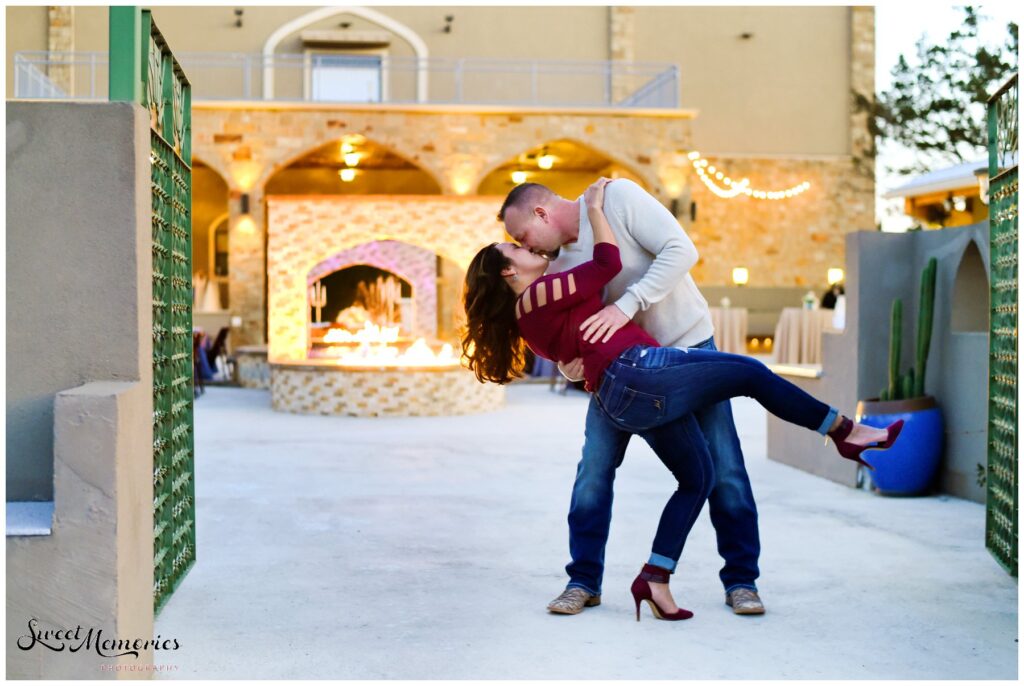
x=381 y=392
x=60 y=38
x=790 y=242
x=784 y=243
x=459 y=146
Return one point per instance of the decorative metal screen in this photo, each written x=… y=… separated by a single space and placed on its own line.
x=1001 y=519
x=143 y=70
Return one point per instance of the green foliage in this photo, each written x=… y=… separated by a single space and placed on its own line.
x=911 y=384
x=936 y=106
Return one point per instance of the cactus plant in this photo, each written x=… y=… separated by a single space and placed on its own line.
x=895 y=346
x=925 y=317
x=911 y=384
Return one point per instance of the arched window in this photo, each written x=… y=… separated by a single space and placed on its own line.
x=970 y=293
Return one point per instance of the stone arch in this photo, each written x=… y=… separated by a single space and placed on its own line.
x=290 y=158
x=970 y=304
x=497 y=161
x=419 y=46
x=213 y=166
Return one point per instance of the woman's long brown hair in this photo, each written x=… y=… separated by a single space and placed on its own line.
x=491 y=343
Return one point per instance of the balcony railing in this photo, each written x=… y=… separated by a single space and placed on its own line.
x=332 y=78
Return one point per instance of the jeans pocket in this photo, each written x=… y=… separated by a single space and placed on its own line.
x=635 y=410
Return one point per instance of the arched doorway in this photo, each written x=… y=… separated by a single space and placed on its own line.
x=565 y=166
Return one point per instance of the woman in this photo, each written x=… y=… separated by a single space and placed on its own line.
x=641 y=386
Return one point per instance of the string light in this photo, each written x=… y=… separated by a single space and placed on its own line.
x=709 y=175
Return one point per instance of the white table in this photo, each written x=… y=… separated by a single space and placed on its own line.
x=730 y=329
x=798 y=335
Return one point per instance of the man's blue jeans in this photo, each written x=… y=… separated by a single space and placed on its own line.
x=731 y=501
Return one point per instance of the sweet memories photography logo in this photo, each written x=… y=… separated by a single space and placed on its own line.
x=74 y=640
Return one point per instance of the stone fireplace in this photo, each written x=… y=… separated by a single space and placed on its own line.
x=363 y=296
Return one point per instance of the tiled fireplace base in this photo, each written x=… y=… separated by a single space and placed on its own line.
x=311 y=388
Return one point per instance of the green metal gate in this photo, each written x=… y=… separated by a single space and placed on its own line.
x=143 y=70
x=1001 y=518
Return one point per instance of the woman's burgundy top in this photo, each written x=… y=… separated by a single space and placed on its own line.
x=551 y=310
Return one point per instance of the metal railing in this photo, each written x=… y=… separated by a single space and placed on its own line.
x=321 y=78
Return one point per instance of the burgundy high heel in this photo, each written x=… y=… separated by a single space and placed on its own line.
x=852 y=451
x=641 y=590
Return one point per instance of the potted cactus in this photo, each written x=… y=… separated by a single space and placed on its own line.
x=908 y=467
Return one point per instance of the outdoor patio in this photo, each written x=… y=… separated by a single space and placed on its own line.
x=427 y=548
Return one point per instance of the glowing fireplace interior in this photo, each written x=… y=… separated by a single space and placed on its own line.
x=367 y=315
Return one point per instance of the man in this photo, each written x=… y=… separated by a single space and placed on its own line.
x=656 y=290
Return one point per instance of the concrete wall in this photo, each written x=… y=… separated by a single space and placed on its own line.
x=79 y=384
x=881 y=267
x=73 y=311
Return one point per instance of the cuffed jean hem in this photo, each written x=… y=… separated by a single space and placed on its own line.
x=662 y=561
x=729 y=589
x=829 y=418
x=573 y=584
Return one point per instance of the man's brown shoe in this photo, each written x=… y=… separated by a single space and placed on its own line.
x=572 y=601
x=743 y=601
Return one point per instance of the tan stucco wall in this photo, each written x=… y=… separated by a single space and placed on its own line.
x=27 y=29
x=80 y=380
x=785 y=90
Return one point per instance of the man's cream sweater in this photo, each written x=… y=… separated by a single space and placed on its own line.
x=654 y=288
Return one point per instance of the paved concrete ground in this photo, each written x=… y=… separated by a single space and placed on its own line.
x=428 y=548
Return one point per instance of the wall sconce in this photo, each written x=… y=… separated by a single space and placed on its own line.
x=448 y=19
x=982 y=176
x=347 y=175
x=835 y=275
x=238 y=17
x=546 y=161
x=740 y=276
x=245 y=203
x=518 y=177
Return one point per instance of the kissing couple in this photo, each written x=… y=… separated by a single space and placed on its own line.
x=649 y=361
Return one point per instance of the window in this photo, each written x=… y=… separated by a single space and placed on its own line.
x=346 y=78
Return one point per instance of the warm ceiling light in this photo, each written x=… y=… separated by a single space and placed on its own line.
x=835 y=275
x=352 y=159
x=518 y=177
x=740 y=276
x=546 y=161
x=346 y=148
x=347 y=174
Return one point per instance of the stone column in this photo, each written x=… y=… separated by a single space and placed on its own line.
x=60 y=37
x=862 y=82
x=621 y=40
x=247 y=281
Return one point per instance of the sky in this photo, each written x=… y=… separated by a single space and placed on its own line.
x=897 y=29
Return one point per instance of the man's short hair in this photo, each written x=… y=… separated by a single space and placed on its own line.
x=523 y=195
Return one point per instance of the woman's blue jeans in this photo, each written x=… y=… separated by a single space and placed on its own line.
x=654 y=392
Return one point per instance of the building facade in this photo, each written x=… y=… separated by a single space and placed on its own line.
x=739 y=119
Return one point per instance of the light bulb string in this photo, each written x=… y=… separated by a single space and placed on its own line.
x=708 y=174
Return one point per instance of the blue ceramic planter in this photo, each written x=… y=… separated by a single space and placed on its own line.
x=908 y=467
